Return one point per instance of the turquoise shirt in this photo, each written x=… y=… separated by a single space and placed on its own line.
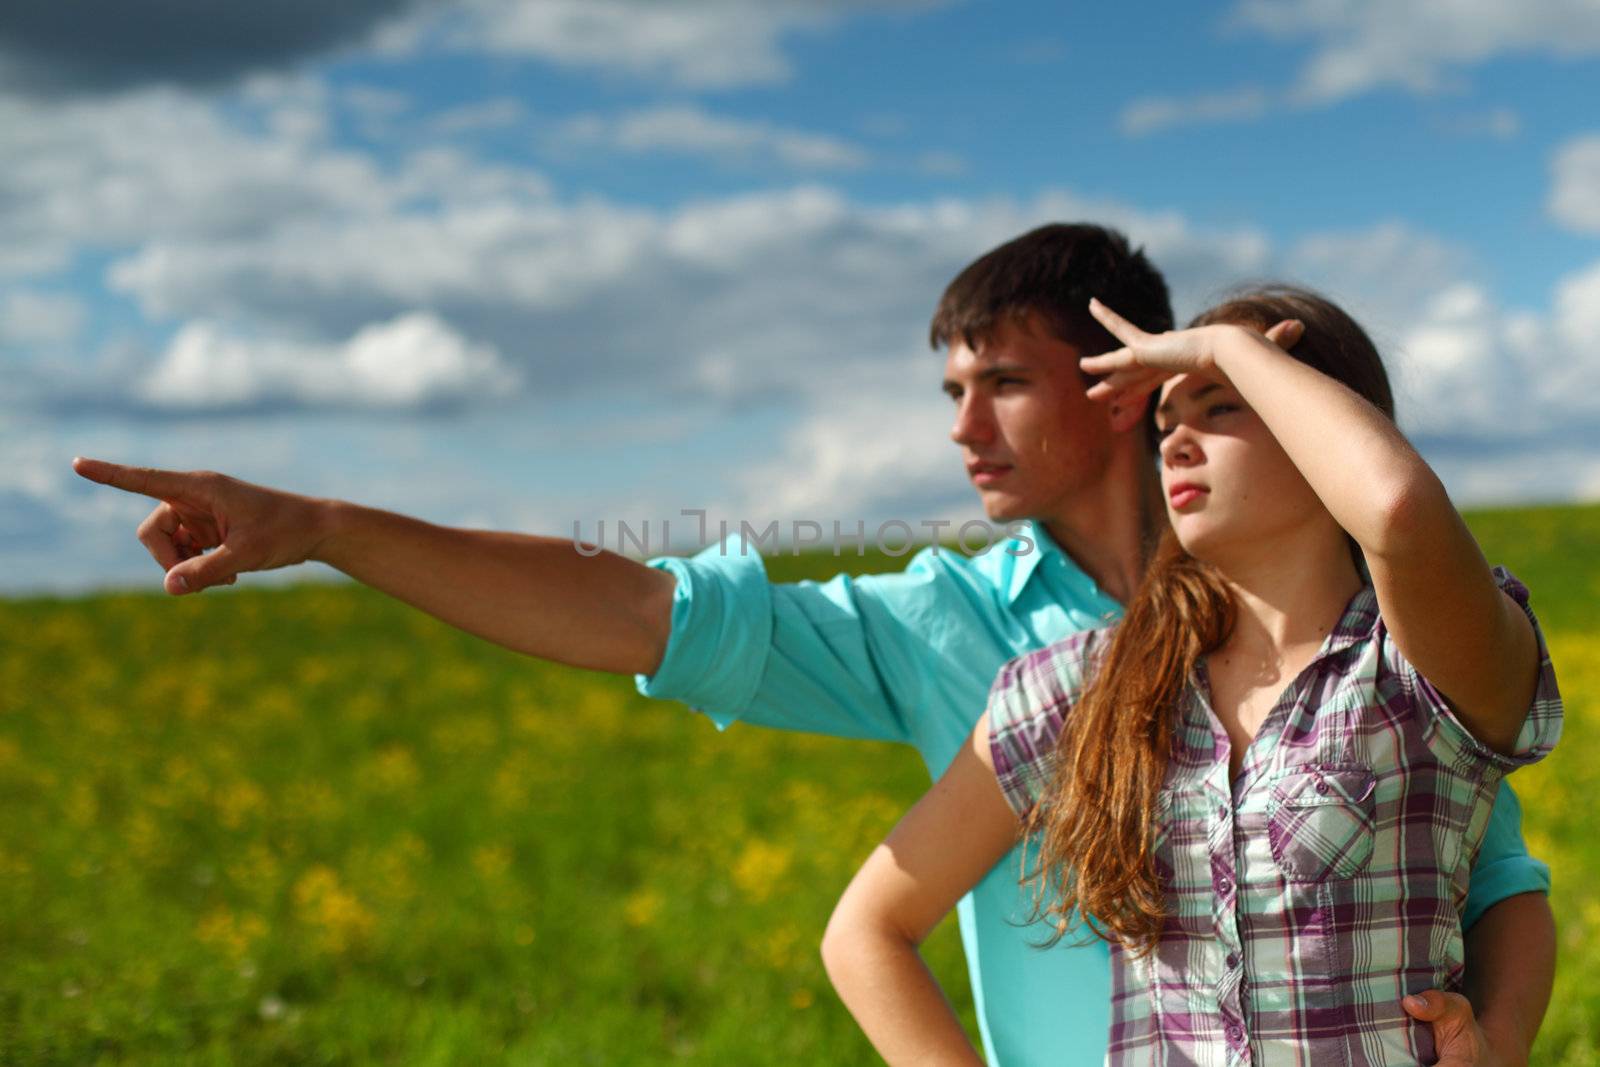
x=910 y=657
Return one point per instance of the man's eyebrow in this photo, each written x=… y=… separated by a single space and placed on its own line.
x=993 y=371
x=1166 y=405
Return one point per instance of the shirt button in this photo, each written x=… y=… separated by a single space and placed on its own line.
x=1235 y=1032
x=1222 y=811
x=1223 y=884
x=1232 y=961
x=1322 y=787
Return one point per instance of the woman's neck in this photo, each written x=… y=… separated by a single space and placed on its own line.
x=1290 y=596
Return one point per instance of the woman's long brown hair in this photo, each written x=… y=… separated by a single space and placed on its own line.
x=1096 y=826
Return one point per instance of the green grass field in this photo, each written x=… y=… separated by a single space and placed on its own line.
x=313 y=826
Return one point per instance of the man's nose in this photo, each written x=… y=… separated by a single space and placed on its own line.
x=972 y=424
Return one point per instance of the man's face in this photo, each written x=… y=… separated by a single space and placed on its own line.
x=1029 y=437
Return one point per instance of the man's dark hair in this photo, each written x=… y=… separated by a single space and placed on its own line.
x=1053 y=271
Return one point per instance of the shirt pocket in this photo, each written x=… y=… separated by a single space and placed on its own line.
x=1320 y=821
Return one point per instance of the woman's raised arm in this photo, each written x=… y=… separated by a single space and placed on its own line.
x=1437 y=595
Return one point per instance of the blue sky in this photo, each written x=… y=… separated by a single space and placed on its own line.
x=520 y=264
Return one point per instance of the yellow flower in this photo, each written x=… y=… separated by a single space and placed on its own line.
x=642 y=907
x=338 y=919
x=509 y=787
x=82 y=804
x=233 y=934
x=256 y=871
x=466 y=733
x=314 y=801
x=236 y=801
x=778 y=946
x=392 y=769
x=491 y=861
x=143 y=836
x=760 y=868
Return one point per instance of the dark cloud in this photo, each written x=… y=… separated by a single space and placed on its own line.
x=58 y=47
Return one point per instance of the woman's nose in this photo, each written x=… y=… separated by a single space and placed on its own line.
x=1179 y=448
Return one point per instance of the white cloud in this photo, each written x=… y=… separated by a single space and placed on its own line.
x=1577 y=306
x=1418 y=45
x=162 y=164
x=687 y=128
x=33 y=317
x=1151 y=114
x=1501 y=123
x=704 y=44
x=1359 y=46
x=480 y=115
x=1575 y=193
x=722 y=298
x=875 y=450
x=105 y=174
x=413 y=361
x=1454 y=375
x=1541 y=475
x=1384 y=275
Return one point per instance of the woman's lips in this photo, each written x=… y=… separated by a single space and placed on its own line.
x=1184 y=494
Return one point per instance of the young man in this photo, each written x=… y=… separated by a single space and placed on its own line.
x=906 y=657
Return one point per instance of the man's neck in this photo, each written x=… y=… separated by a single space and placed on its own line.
x=1109 y=531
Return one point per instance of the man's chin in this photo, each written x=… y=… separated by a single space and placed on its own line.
x=1003 y=507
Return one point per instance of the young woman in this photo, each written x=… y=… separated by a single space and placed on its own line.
x=1265 y=786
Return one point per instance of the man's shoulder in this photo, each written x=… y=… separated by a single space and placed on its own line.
x=994 y=565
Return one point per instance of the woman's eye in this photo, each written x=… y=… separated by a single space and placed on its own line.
x=1221 y=409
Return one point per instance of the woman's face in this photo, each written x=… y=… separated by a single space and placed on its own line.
x=1229 y=485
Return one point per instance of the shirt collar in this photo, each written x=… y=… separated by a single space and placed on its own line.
x=1359 y=621
x=1023 y=564
x=1046 y=553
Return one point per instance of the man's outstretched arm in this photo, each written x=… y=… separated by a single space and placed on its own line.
x=531 y=594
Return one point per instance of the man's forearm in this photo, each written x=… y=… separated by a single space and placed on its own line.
x=1511 y=965
x=536 y=595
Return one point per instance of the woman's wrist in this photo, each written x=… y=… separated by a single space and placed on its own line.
x=1236 y=350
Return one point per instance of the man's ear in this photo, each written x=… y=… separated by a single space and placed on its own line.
x=1128 y=412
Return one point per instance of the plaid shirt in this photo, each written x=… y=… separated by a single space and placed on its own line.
x=1309 y=895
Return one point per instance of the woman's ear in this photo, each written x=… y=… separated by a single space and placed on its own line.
x=1127 y=412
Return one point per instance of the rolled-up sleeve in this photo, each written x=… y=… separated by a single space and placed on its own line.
x=721 y=631
x=1450 y=739
x=843 y=658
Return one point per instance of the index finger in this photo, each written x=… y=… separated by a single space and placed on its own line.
x=147 y=481
x=1120 y=328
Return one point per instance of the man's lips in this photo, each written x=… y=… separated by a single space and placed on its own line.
x=1184 y=493
x=985 y=473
